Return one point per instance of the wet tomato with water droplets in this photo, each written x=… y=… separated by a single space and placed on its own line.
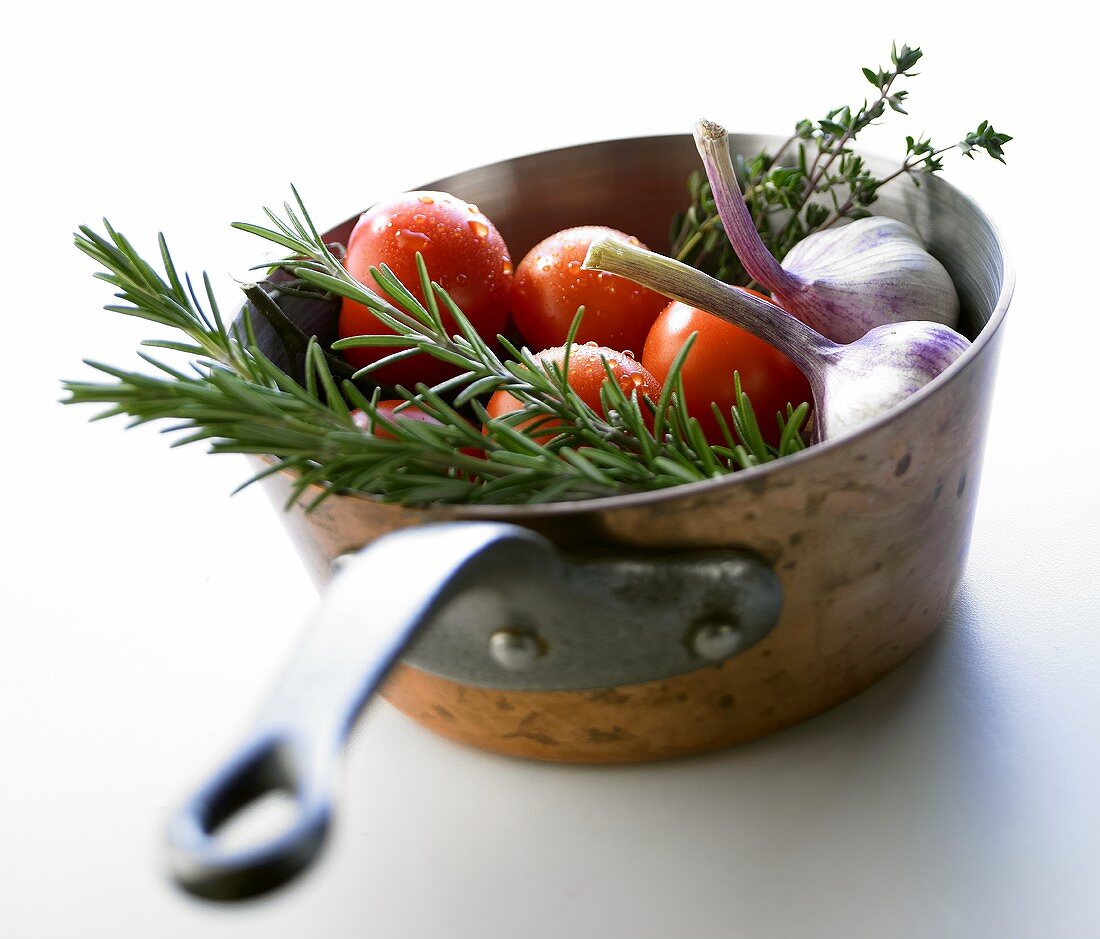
x=768 y=377
x=586 y=376
x=549 y=286
x=464 y=254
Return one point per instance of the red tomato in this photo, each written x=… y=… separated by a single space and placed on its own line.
x=464 y=254
x=388 y=410
x=768 y=377
x=550 y=285
x=586 y=376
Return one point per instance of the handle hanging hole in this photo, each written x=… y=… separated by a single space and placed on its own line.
x=259 y=821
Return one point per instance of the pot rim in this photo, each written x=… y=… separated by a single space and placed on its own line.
x=743 y=476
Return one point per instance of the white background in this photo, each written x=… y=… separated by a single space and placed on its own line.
x=145 y=612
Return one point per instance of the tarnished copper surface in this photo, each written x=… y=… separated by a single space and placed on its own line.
x=868 y=533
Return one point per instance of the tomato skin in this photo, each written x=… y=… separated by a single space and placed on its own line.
x=388 y=410
x=586 y=376
x=464 y=254
x=549 y=286
x=768 y=377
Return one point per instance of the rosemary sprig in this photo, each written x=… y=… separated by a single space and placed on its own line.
x=237 y=400
x=821 y=183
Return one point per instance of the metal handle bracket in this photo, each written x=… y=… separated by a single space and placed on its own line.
x=492 y=604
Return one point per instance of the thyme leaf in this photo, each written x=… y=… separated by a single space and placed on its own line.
x=814 y=180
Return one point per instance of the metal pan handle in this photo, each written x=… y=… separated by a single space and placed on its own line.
x=371 y=613
x=583 y=622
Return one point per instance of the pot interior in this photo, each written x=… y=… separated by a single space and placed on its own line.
x=637 y=185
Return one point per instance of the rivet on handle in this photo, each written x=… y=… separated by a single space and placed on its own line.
x=514 y=650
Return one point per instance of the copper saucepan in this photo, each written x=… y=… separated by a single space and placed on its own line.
x=635 y=627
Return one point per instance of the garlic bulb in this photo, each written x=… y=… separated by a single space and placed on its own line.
x=851 y=383
x=841 y=281
x=863 y=379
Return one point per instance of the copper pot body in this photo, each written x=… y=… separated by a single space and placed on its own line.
x=868 y=533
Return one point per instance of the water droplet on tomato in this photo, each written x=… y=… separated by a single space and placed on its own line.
x=460 y=280
x=636 y=378
x=592 y=344
x=628 y=352
x=427 y=200
x=440 y=227
x=479 y=228
x=506 y=267
x=545 y=267
x=573 y=266
x=413 y=237
x=420 y=218
x=472 y=208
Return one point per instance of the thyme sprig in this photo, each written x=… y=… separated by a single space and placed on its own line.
x=236 y=399
x=814 y=180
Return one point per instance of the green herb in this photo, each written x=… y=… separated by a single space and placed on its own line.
x=813 y=179
x=235 y=398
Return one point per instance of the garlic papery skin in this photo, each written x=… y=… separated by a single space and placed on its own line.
x=841 y=281
x=869 y=272
x=866 y=378
x=852 y=383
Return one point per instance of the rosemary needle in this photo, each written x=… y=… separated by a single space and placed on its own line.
x=237 y=400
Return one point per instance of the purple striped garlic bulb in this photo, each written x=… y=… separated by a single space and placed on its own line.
x=842 y=281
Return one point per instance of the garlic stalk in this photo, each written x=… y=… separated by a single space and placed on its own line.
x=851 y=383
x=841 y=281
